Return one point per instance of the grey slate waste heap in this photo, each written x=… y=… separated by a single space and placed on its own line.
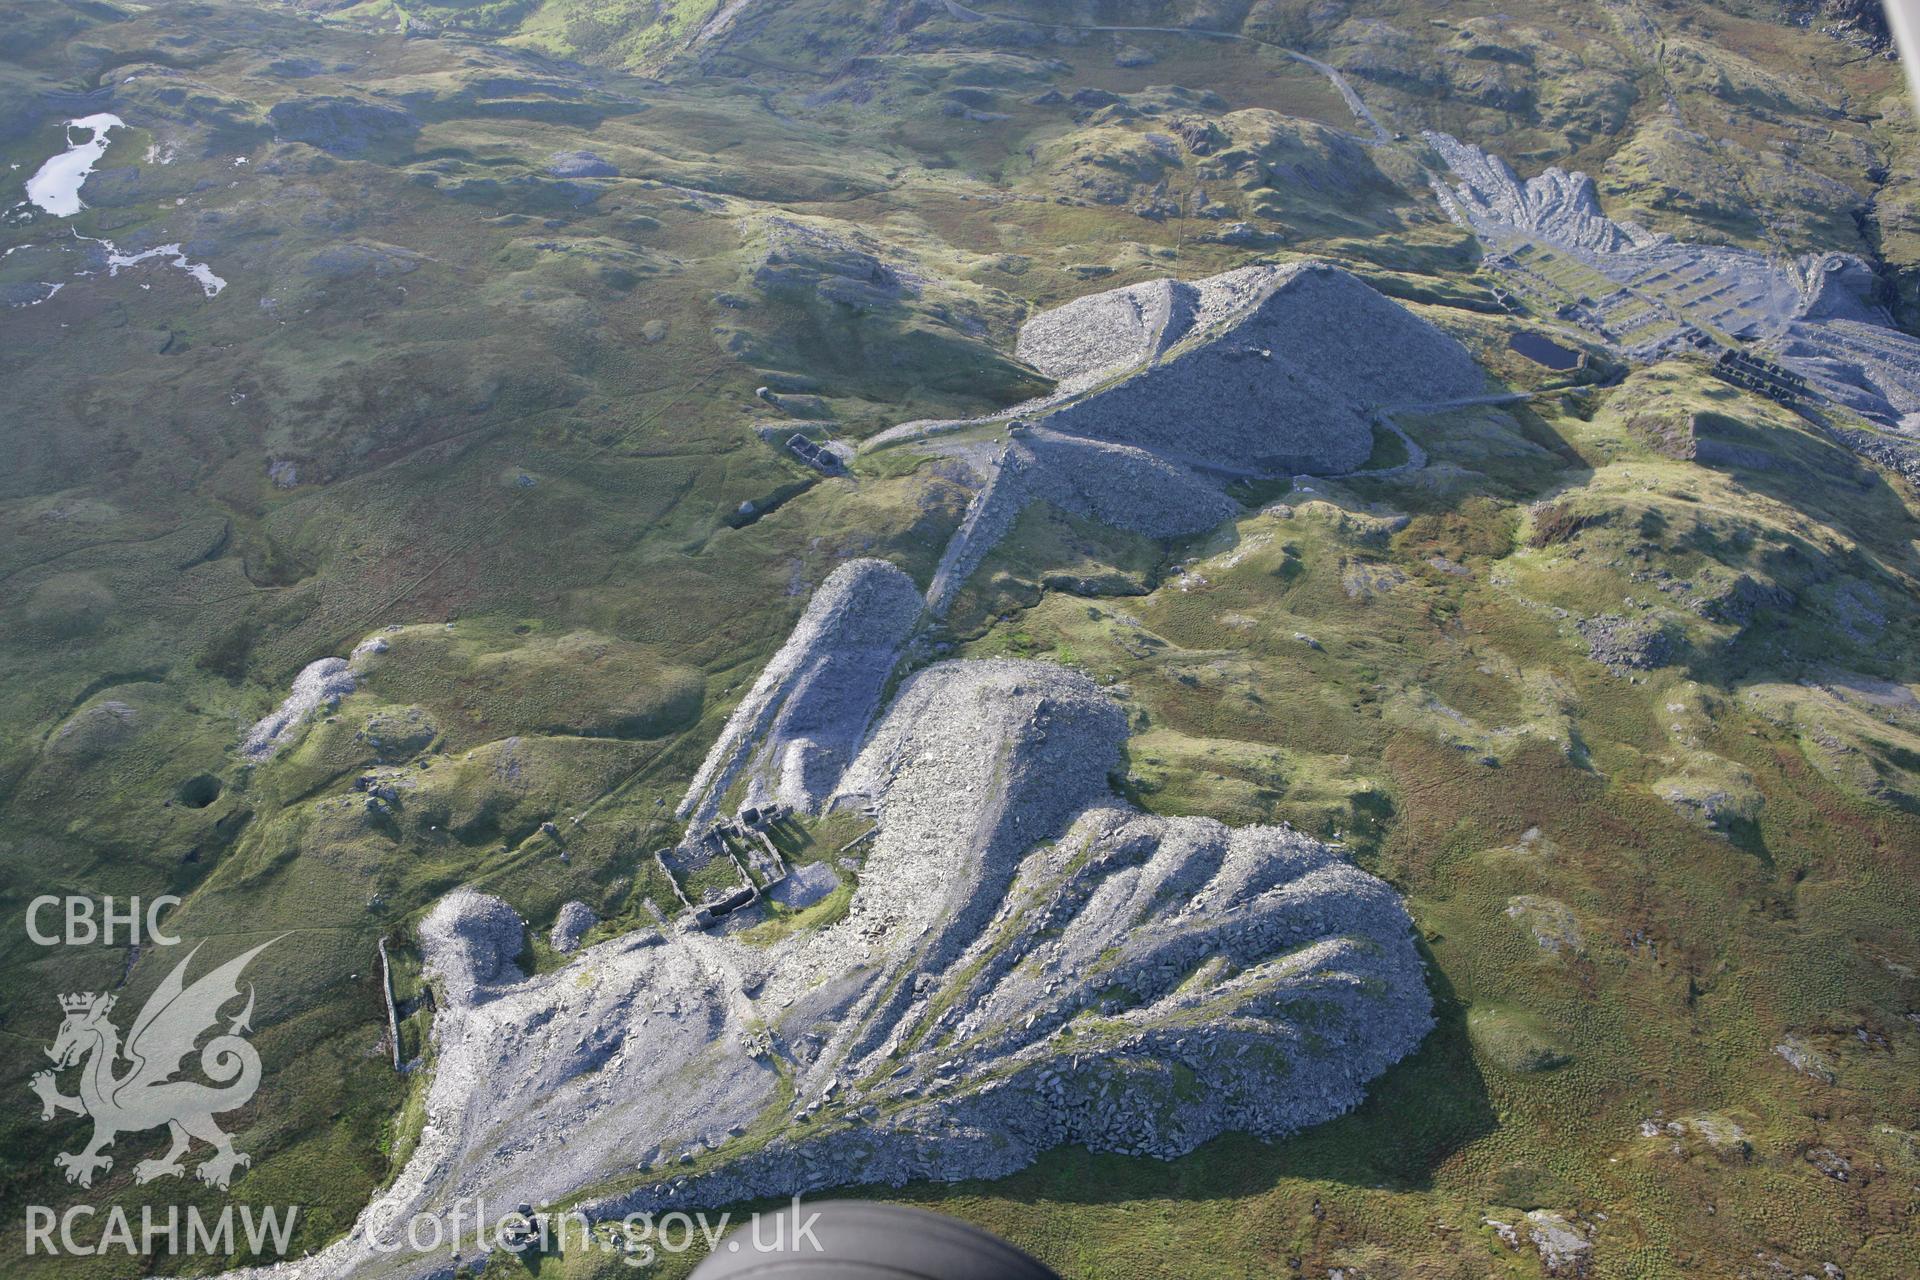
x=800 y=723
x=1213 y=979
x=570 y=925
x=1262 y=369
x=1165 y=389
x=1270 y=369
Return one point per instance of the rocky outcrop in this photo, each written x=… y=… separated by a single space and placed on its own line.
x=803 y=261
x=361 y=258
x=859 y=311
x=345 y=125
x=1862 y=20
x=580 y=164
x=1623 y=644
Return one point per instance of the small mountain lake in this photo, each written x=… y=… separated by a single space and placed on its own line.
x=56 y=187
x=1544 y=351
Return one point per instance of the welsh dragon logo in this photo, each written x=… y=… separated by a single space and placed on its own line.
x=131 y=1087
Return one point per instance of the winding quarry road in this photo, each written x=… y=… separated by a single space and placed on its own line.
x=1346 y=91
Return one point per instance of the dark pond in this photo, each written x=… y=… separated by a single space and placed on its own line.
x=1544 y=351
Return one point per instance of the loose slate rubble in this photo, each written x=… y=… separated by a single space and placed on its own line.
x=1651 y=295
x=1119 y=485
x=571 y=925
x=1026 y=962
x=1269 y=368
x=320 y=684
x=805 y=885
x=799 y=725
x=1168 y=387
x=1276 y=373
x=1081 y=343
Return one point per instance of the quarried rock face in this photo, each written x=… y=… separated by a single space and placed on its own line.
x=1817 y=315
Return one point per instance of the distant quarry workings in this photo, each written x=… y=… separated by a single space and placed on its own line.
x=1789 y=328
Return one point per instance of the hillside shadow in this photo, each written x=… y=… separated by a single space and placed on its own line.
x=1808 y=472
x=1507 y=452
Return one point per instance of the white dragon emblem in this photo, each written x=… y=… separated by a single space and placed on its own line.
x=145 y=1094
